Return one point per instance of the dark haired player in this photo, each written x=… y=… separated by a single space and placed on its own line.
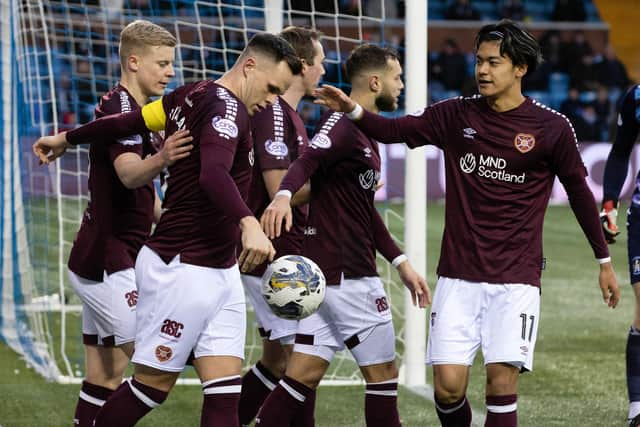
x=190 y=294
x=615 y=173
x=344 y=230
x=279 y=137
x=502 y=153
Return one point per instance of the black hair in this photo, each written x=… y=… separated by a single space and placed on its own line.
x=515 y=42
x=368 y=57
x=276 y=48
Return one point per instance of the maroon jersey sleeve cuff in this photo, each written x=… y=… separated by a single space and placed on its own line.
x=108 y=128
x=584 y=207
x=383 y=240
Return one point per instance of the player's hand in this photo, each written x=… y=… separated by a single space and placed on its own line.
x=278 y=210
x=609 y=285
x=334 y=98
x=608 y=216
x=417 y=285
x=176 y=147
x=256 y=247
x=378 y=186
x=49 y=148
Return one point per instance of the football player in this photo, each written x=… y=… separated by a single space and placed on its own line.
x=190 y=293
x=502 y=153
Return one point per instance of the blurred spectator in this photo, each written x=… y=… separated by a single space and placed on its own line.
x=461 y=10
x=574 y=50
x=551 y=46
x=587 y=125
x=569 y=10
x=611 y=72
x=584 y=75
x=539 y=79
x=450 y=68
x=603 y=109
x=513 y=9
x=571 y=106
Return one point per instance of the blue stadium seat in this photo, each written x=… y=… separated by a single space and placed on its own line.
x=540 y=96
x=592 y=11
x=488 y=9
x=558 y=82
x=588 y=96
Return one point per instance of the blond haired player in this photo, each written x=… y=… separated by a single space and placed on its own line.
x=119 y=215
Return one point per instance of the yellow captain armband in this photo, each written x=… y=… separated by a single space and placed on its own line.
x=154 y=115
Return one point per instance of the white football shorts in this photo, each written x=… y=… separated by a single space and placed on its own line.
x=502 y=319
x=184 y=308
x=108 y=307
x=355 y=314
x=271 y=326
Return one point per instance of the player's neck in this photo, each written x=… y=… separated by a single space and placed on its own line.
x=134 y=90
x=233 y=84
x=366 y=100
x=506 y=102
x=294 y=94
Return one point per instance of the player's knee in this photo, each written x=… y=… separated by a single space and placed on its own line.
x=502 y=382
x=380 y=372
x=448 y=393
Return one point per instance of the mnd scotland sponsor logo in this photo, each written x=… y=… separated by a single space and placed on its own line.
x=487 y=166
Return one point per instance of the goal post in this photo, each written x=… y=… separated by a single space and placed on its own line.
x=59 y=56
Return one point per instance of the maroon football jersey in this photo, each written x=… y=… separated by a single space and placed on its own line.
x=117 y=220
x=279 y=137
x=205 y=194
x=500 y=168
x=344 y=166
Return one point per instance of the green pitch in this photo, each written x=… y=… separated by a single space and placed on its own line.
x=578 y=377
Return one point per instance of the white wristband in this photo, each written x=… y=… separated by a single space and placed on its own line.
x=399 y=260
x=283 y=193
x=604 y=260
x=356 y=114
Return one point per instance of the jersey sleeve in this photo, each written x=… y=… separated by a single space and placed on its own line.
x=219 y=137
x=617 y=166
x=116 y=126
x=330 y=143
x=567 y=164
x=128 y=144
x=383 y=240
x=426 y=127
x=268 y=129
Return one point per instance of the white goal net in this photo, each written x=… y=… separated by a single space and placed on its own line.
x=63 y=56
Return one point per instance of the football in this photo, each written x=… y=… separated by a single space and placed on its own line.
x=293 y=287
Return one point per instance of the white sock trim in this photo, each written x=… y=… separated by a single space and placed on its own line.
x=143 y=397
x=217 y=380
x=226 y=389
x=634 y=409
x=93 y=400
x=262 y=378
x=502 y=409
x=383 y=392
x=451 y=410
x=299 y=397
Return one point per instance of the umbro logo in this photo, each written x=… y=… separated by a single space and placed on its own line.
x=469 y=132
x=367 y=152
x=188 y=102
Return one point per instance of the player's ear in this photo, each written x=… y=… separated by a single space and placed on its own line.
x=521 y=70
x=249 y=65
x=375 y=85
x=133 y=63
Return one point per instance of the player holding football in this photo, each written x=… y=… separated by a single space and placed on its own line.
x=615 y=173
x=118 y=216
x=343 y=232
x=190 y=294
x=502 y=153
x=279 y=137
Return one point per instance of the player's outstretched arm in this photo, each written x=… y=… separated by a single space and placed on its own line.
x=256 y=247
x=135 y=172
x=609 y=285
x=417 y=285
x=278 y=211
x=334 y=98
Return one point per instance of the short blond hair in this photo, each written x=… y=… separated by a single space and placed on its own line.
x=140 y=34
